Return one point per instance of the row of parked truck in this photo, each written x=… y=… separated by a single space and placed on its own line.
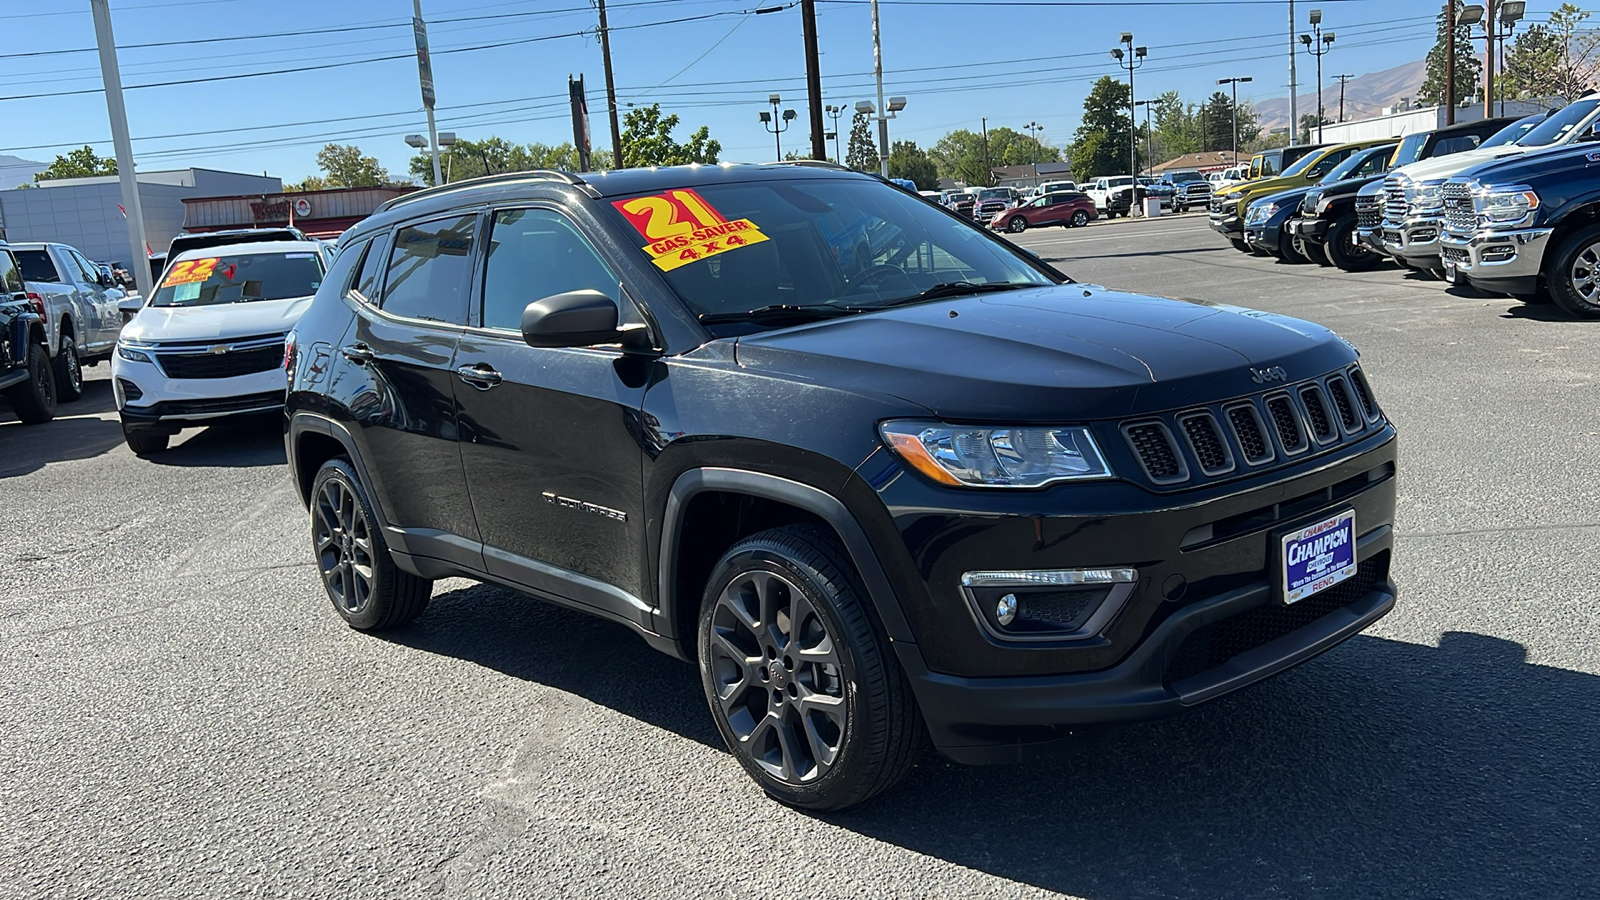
x=1508 y=206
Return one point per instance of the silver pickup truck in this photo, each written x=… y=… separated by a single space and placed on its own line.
x=79 y=306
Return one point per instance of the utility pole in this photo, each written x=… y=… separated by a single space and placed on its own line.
x=988 y=167
x=877 y=71
x=1489 y=10
x=580 y=120
x=112 y=77
x=1294 y=84
x=808 y=16
x=1342 y=80
x=1450 y=63
x=611 y=89
x=425 y=76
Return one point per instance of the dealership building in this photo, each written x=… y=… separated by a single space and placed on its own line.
x=321 y=214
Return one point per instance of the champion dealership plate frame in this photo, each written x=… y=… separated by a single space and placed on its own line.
x=1305 y=568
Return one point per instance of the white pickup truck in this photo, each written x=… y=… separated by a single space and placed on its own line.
x=1112 y=196
x=79 y=306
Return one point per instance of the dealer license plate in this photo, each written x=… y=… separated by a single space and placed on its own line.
x=1319 y=557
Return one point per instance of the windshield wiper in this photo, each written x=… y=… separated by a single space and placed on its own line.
x=960 y=288
x=781 y=312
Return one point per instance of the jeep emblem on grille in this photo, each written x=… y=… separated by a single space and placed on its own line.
x=219 y=349
x=1266 y=376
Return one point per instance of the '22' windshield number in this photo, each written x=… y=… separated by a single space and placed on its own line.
x=191 y=270
x=662 y=216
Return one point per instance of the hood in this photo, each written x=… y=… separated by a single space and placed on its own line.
x=1439 y=168
x=1259 y=187
x=217 y=322
x=1349 y=185
x=1070 y=352
x=1556 y=163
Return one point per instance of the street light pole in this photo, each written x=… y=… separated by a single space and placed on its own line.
x=1130 y=59
x=877 y=73
x=1317 y=44
x=775 y=123
x=834 y=113
x=1236 y=82
x=1149 y=156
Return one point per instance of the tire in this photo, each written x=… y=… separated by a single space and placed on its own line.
x=1572 y=273
x=144 y=442
x=346 y=539
x=1016 y=225
x=1311 y=252
x=783 y=715
x=1287 y=251
x=1343 y=249
x=34 y=400
x=1080 y=219
x=69 y=370
x=1242 y=246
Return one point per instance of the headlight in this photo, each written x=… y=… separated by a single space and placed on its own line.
x=1260 y=212
x=135 y=352
x=996 y=456
x=1425 y=197
x=1504 y=205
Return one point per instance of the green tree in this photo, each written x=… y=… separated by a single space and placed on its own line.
x=1175 y=126
x=1008 y=147
x=494 y=156
x=1469 y=72
x=862 y=154
x=1560 y=58
x=1218 y=124
x=81 y=163
x=647 y=141
x=907 y=160
x=346 y=167
x=959 y=156
x=311 y=183
x=1100 y=146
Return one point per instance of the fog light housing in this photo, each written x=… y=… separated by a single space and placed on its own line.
x=1047 y=604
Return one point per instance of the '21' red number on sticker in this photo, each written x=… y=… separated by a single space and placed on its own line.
x=669 y=215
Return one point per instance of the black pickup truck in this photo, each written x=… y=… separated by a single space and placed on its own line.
x=26 y=378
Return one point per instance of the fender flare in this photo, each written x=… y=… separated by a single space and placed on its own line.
x=302 y=422
x=803 y=496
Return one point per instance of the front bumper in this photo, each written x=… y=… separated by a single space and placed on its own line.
x=1504 y=261
x=981 y=721
x=1414 y=242
x=1229 y=225
x=169 y=404
x=1308 y=230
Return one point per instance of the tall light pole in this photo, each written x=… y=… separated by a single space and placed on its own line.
x=1294 y=84
x=1317 y=44
x=1510 y=12
x=425 y=76
x=442 y=139
x=1130 y=57
x=877 y=73
x=1244 y=79
x=895 y=105
x=833 y=113
x=1149 y=158
x=775 y=123
x=1034 y=129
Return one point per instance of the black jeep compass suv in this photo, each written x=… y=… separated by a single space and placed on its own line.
x=882 y=475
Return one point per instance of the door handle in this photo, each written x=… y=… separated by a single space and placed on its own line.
x=480 y=376
x=360 y=354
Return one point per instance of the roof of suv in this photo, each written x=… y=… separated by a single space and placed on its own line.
x=258 y=247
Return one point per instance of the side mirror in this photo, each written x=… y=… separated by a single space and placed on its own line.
x=572 y=319
x=130 y=306
x=107 y=280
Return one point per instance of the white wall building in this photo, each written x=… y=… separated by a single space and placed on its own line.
x=1401 y=122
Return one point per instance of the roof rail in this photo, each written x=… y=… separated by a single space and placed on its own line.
x=813 y=164
x=530 y=175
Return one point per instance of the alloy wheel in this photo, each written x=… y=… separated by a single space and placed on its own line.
x=74 y=367
x=778 y=677
x=44 y=385
x=1584 y=273
x=343 y=541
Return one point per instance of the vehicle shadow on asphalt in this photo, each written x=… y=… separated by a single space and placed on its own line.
x=75 y=433
x=1383 y=769
x=1543 y=312
x=241 y=444
x=536 y=641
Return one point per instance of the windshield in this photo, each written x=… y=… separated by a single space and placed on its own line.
x=815 y=243
x=1370 y=160
x=1512 y=133
x=1557 y=126
x=239 y=278
x=995 y=194
x=1305 y=162
x=1185 y=177
x=1411 y=148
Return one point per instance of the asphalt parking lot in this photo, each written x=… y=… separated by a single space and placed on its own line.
x=181 y=715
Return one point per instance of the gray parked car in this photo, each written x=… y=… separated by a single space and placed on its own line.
x=79 y=304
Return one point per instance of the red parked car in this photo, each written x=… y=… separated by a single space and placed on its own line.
x=1070 y=209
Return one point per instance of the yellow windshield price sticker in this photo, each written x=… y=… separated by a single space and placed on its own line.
x=704 y=243
x=190 y=271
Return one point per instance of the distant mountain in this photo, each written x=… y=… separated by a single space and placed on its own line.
x=15 y=170
x=1364 y=97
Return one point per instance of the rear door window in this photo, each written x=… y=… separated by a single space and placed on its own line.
x=37 y=266
x=533 y=254
x=429 y=270
x=10 y=275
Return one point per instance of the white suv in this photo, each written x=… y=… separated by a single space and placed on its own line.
x=209 y=344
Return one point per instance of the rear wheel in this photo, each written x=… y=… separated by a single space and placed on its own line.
x=1572 y=273
x=1016 y=224
x=1080 y=219
x=34 y=400
x=69 y=370
x=800 y=683
x=1343 y=247
x=367 y=589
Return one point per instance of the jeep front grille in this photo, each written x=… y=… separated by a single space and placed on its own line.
x=1190 y=446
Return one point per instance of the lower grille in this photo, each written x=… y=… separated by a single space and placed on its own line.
x=1209 y=646
x=222 y=405
x=1454 y=254
x=130 y=391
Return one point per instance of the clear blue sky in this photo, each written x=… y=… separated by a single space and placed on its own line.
x=956 y=63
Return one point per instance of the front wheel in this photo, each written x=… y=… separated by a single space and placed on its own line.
x=1343 y=247
x=1016 y=225
x=367 y=589
x=1572 y=273
x=69 y=370
x=144 y=442
x=800 y=683
x=1080 y=219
